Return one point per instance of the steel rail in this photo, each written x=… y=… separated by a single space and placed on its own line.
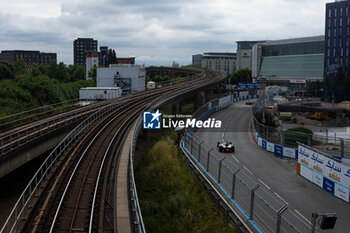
x=179 y=89
x=79 y=161
x=101 y=167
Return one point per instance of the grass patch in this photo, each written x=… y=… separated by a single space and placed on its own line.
x=299 y=134
x=170 y=198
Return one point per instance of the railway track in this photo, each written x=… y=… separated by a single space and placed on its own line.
x=76 y=206
x=78 y=194
x=14 y=138
x=22 y=134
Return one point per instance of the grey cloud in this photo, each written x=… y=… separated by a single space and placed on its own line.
x=160 y=31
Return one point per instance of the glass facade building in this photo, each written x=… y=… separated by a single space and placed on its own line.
x=300 y=58
x=337 y=47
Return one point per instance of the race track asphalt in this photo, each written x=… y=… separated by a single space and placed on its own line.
x=277 y=174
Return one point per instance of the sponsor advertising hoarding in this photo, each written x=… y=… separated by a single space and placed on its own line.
x=329 y=174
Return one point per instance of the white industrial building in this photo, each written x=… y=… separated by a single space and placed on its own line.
x=130 y=78
x=99 y=93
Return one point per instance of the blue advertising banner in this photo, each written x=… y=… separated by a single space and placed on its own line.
x=279 y=150
x=264 y=144
x=328 y=185
x=250 y=85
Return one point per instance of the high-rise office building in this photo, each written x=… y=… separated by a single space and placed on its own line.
x=80 y=47
x=337 y=47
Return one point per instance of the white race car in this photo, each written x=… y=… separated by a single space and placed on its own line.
x=225 y=147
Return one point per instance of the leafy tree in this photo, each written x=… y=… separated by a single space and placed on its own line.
x=71 y=69
x=93 y=73
x=59 y=72
x=78 y=74
x=242 y=75
x=35 y=70
x=19 y=67
x=112 y=57
x=43 y=69
x=62 y=72
x=5 y=71
x=44 y=89
x=51 y=70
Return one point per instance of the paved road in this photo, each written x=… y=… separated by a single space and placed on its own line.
x=276 y=174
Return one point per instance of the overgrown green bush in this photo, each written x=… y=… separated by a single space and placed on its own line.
x=170 y=198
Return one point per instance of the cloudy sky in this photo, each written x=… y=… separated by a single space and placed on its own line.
x=155 y=31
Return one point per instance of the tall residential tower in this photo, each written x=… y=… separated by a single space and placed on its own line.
x=337 y=47
x=80 y=47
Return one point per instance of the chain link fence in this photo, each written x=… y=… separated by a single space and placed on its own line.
x=259 y=206
x=328 y=143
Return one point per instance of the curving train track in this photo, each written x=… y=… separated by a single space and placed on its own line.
x=79 y=193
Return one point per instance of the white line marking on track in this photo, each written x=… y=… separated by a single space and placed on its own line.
x=302 y=216
x=281 y=198
x=251 y=173
x=264 y=183
x=235 y=158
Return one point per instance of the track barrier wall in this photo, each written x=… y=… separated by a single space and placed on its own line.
x=331 y=173
x=324 y=171
x=258 y=206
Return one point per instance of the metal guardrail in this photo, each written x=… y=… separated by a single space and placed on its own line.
x=139 y=226
x=25 y=201
x=34 y=131
x=138 y=220
x=12 y=140
x=332 y=145
x=36 y=113
x=257 y=204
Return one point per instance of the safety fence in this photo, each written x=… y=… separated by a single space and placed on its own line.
x=36 y=113
x=34 y=131
x=26 y=201
x=332 y=145
x=258 y=205
x=139 y=226
x=15 y=220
